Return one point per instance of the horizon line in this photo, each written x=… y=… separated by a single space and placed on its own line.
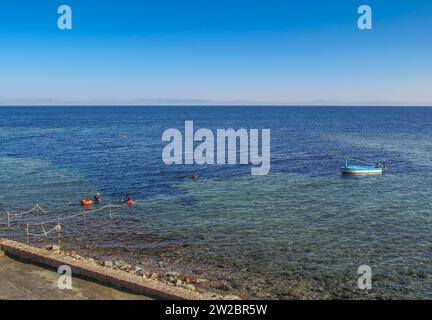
x=200 y=102
x=224 y=105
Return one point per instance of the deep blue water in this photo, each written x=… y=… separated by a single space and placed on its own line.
x=303 y=230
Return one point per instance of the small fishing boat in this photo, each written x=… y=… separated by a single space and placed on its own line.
x=362 y=170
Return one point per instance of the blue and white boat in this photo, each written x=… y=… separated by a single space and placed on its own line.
x=362 y=170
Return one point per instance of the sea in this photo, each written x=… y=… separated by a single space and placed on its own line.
x=300 y=232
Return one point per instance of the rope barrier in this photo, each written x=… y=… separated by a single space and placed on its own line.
x=57 y=221
x=38 y=209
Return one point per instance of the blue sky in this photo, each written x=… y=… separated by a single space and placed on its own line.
x=239 y=50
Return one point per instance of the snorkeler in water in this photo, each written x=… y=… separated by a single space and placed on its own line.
x=98 y=197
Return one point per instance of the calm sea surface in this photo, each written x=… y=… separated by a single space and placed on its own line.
x=301 y=231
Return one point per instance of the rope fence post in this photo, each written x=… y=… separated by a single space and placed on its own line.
x=27 y=233
x=44 y=231
x=58 y=229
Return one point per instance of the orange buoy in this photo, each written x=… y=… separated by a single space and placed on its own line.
x=86 y=202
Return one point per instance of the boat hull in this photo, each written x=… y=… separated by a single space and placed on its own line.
x=361 y=171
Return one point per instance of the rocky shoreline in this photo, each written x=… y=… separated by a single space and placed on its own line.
x=209 y=288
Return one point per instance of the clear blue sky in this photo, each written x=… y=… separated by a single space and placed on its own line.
x=222 y=50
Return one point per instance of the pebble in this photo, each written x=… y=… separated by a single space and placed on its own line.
x=119 y=263
x=72 y=252
x=54 y=247
x=138 y=269
x=201 y=280
x=173 y=274
x=222 y=286
x=108 y=264
x=179 y=282
x=211 y=295
x=190 y=287
x=231 y=297
x=126 y=267
x=154 y=275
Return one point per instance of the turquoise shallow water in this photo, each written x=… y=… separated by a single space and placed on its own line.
x=302 y=231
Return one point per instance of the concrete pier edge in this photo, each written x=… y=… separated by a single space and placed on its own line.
x=91 y=271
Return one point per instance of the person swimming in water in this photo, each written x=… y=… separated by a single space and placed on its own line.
x=98 y=197
x=130 y=202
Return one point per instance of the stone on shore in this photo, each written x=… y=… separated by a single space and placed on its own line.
x=137 y=269
x=108 y=264
x=201 y=281
x=190 y=287
x=54 y=248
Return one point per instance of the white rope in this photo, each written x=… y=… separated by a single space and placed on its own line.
x=58 y=220
x=96 y=210
x=71 y=217
x=45 y=234
x=110 y=206
x=42 y=223
x=37 y=208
